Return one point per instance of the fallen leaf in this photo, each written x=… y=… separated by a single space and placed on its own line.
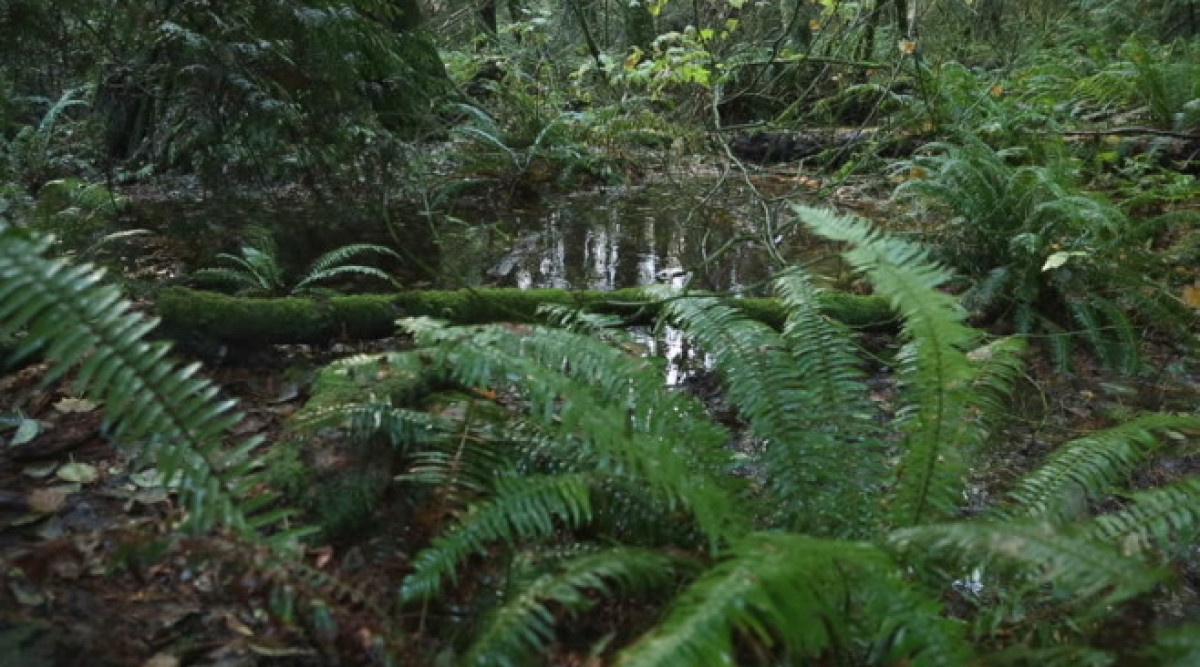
x=27 y=431
x=237 y=626
x=1191 y=296
x=26 y=594
x=161 y=660
x=40 y=470
x=82 y=473
x=47 y=501
x=74 y=405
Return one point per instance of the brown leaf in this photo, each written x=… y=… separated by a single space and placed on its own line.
x=47 y=501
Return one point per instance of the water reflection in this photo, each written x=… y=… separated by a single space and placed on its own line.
x=610 y=239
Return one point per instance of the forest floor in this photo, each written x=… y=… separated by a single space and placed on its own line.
x=93 y=573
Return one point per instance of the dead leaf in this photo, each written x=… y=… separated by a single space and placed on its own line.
x=1191 y=295
x=74 y=405
x=237 y=626
x=161 y=660
x=47 y=501
x=81 y=473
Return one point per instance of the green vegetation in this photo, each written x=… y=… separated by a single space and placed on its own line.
x=727 y=427
x=257 y=271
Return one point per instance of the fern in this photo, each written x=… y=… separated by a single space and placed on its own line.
x=785 y=385
x=521 y=509
x=1040 y=552
x=795 y=591
x=80 y=322
x=1177 y=647
x=1163 y=516
x=257 y=270
x=940 y=425
x=609 y=405
x=523 y=624
x=333 y=264
x=1089 y=467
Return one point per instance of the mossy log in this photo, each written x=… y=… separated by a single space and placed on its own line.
x=244 y=321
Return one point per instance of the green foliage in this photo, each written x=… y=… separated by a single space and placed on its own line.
x=1044 y=256
x=803 y=594
x=1087 y=469
x=257 y=271
x=70 y=317
x=75 y=211
x=555 y=441
x=784 y=385
x=524 y=623
x=542 y=148
x=521 y=509
x=1164 y=80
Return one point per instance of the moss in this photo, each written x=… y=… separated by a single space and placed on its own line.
x=403 y=378
x=251 y=321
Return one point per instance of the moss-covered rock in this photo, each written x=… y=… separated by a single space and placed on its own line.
x=189 y=313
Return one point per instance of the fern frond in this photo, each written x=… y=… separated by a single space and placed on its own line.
x=1089 y=467
x=942 y=425
x=339 y=256
x=1177 y=647
x=522 y=508
x=525 y=622
x=1037 y=552
x=80 y=322
x=797 y=591
x=810 y=461
x=242 y=280
x=610 y=406
x=1166 y=515
x=402 y=427
x=318 y=276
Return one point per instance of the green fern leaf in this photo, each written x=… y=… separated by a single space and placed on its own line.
x=609 y=406
x=811 y=461
x=1087 y=468
x=1034 y=551
x=1177 y=647
x=942 y=425
x=525 y=622
x=523 y=508
x=327 y=274
x=794 y=590
x=1164 y=516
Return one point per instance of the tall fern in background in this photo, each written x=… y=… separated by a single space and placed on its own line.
x=1043 y=257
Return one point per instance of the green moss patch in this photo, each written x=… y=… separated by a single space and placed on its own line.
x=190 y=313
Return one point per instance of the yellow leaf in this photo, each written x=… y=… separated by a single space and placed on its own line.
x=1191 y=295
x=633 y=58
x=907 y=46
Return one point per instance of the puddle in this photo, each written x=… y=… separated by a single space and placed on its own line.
x=625 y=237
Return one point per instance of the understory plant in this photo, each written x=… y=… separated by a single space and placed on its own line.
x=1041 y=254
x=575 y=489
x=258 y=272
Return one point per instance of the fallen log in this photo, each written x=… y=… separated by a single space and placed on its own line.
x=188 y=314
